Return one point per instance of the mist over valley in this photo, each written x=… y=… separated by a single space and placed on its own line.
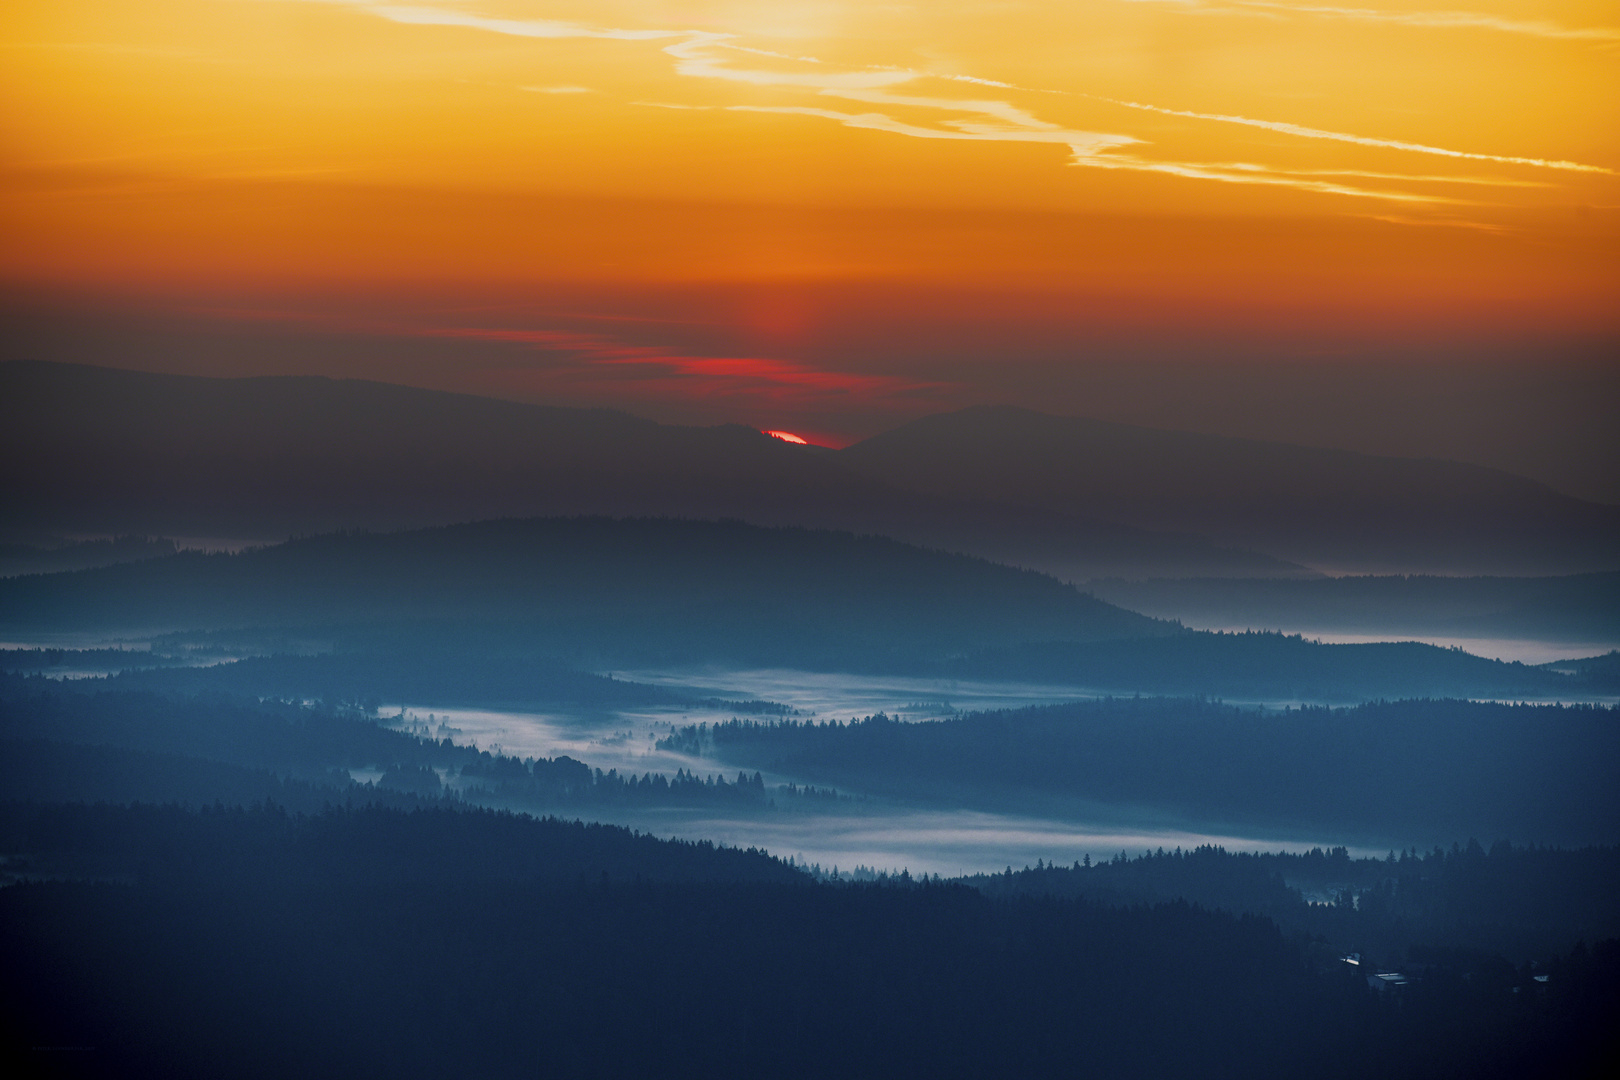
x=769 y=699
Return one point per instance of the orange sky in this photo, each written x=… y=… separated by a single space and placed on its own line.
x=818 y=216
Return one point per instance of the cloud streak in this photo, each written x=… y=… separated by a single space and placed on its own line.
x=583 y=358
x=778 y=381
x=695 y=59
x=1081 y=142
x=1303 y=132
x=530 y=28
x=1448 y=20
x=1245 y=173
x=701 y=54
x=1438 y=20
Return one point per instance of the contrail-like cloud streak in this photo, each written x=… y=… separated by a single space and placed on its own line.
x=1359 y=140
x=1438 y=20
x=702 y=54
x=1462 y=20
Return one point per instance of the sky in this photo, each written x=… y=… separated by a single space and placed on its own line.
x=1390 y=226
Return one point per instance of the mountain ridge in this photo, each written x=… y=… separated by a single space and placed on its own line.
x=1335 y=510
x=94 y=450
x=87 y=450
x=587 y=582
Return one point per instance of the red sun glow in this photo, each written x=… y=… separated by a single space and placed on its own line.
x=787 y=436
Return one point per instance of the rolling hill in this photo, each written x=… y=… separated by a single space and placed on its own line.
x=685 y=590
x=86 y=450
x=1332 y=510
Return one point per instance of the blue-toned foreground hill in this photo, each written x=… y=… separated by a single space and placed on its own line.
x=1375 y=774
x=375 y=943
x=467 y=602
x=689 y=590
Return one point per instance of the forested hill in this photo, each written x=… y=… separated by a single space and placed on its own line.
x=1581 y=608
x=487 y=611
x=1374 y=774
x=368 y=844
x=693 y=589
x=252 y=944
x=87 y=450
x=1281 y=667
x=1328 y=509
x=1519 y=901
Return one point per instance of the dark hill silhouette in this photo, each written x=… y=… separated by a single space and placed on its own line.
x=1331 y=509
x=478 y=607
x=682 y=589
x=101 y=451
x=1419 y=769
x=1579 y=608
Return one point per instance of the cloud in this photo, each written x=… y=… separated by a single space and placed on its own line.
x=761 y=379
x=699 y=54
x=673 y=105
x=590 y=360
x=981 y=82
x=532 y=28
x=1409 y=178
x=1442 y=20
x=767 y=52
x=1079 y=142
x=1470 y=20
x=1244 y=173
x=695 y=60
x=1096 y=151
x=1360 y=140
x=870 y=86
x=1008 y=114
x=1450 y=223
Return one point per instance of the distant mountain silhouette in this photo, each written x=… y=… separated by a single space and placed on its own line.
x=1330 y=509
x=593 y=587
x=1580 y=608
x=49 y=554
x=87 y=450
x=102 y=451
x=488 y=605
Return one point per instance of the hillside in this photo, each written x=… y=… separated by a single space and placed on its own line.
x=483 y=611
x=86 y=450
x=1578 y=608
x=684 y=590
x=1329 y=509
x=1376 y=773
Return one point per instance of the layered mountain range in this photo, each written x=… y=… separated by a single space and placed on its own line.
x=95 y=452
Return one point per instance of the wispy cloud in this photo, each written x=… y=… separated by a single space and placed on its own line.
x=981 y=82
x=1445 y=20
x=1007 y=113
x=579 y=359
x=706 y=54
x=1360 y=140
x=1444 y=222
x=1416 y=178
x=695 y=58
x=531 y=28
x=1097 y=151
x=1244 y=173
x=767 y=52
x=1470 y=20
x=673 y=105
x=763 y=379
x=1080 y=142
